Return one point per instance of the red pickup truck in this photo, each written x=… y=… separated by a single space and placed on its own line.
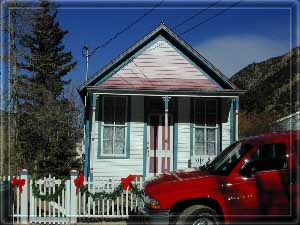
x=253 y=179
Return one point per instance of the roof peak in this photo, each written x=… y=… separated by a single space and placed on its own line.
x=176 y=40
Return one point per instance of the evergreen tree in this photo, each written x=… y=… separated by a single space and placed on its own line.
x=14 y=22
x=47 y=121
x=47 y=60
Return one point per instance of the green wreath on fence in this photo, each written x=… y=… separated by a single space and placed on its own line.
x=110 y=195
x=46 y=196
x=84 y=189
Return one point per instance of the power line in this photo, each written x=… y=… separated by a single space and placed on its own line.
x=210 y=18
x=116 y=35
x=86 y=54
x=195 y=15
x=182 y=33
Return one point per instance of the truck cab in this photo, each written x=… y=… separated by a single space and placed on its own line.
x=255 y=179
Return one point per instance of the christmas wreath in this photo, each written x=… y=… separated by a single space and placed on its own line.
x=47 y=196
x=126 y=183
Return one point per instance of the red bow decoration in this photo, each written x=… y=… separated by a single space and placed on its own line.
x=18 y=182
x=126 y=182
x=79 y=181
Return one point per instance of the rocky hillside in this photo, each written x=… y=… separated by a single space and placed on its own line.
x=272 y=85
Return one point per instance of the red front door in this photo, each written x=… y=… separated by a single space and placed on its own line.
x=159 y=148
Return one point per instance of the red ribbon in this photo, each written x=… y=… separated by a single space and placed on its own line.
x=126 y=182
x=79 y=181
x=19 y=183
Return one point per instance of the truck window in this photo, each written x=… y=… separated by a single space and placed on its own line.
x=297 y=151
x=228 y=159
x=270 y=157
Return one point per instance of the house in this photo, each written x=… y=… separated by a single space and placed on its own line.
x=290 y=122
x=157 y=107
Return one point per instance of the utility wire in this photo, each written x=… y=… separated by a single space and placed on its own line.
x=210 y=18
x=128 y=27
x=116 y=35
x=197 y=25
x=195 y=15
x=182 y=33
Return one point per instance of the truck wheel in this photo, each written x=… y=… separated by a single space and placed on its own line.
x=198 y=215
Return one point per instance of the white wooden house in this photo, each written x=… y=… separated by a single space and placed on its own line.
x=127 y=103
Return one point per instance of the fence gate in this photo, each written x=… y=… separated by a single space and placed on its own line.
x=48 y=200
x=51 y=210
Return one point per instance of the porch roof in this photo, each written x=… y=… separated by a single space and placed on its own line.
x=176 y=93
x=103 y=80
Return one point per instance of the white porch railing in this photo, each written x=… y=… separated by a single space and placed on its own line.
x=197 y=161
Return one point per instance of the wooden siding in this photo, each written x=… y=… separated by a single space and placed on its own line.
x=117 y=168
x=160 y=66
x=184 y=129
x=110 y=168
x=225 y=104
x=183 y=155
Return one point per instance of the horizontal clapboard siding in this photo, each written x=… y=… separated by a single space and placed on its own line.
x=226 y=123
x=184 y=130
x=117 y=168
x=183 y=154
x=160 y=65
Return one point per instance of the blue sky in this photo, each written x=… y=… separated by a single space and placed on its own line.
x=249 y=32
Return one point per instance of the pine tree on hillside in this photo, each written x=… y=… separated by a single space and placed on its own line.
x=47 y=123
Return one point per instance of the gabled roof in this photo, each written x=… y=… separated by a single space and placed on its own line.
x=175 y=40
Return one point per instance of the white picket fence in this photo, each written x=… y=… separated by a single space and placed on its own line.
x=69 y=206
x=108 y=208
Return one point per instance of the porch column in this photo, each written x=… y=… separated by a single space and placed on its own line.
x=93 y=135
x=86 y=135
x=237 y=105
x=166 y=100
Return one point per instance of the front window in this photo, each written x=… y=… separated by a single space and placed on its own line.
x=205 y=127
x=228 y=158
x=114 y=112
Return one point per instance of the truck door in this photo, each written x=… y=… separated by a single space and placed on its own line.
x=263 y=187
x=295 y=176
x=270 y=169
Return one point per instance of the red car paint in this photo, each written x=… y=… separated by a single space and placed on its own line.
x=263 y=194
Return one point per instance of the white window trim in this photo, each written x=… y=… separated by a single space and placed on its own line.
x=205 y=127
x=102 y=154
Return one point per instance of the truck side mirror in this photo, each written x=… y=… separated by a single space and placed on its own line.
x=246 y=170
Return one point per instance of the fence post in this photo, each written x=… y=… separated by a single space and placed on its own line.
x=73 y=197
x=24 y=197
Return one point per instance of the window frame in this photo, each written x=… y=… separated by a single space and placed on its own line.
x=114 y=125
x=260 y=148
x=205 y=126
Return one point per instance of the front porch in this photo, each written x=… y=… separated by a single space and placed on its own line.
x=130 y=135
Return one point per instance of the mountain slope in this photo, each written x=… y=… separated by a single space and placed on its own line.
x=272 y=85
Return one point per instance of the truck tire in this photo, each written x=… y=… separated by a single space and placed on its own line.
x=198 y=215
